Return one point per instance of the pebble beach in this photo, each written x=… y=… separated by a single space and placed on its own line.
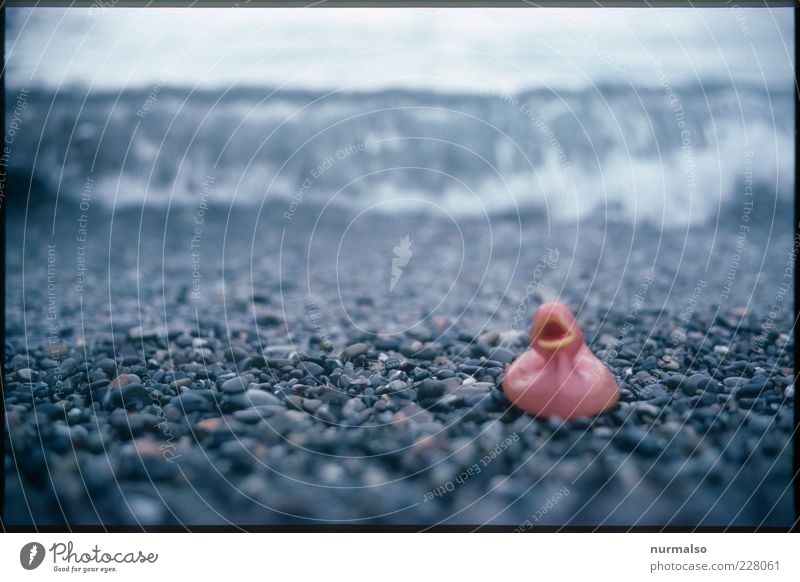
x=252 y=369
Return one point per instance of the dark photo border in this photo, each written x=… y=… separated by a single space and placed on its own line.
x=199 y=4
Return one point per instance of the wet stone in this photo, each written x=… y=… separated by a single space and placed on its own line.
x=353 y=351
x=235 y=385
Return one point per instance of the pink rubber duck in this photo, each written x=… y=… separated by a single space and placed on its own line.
x=560 y=376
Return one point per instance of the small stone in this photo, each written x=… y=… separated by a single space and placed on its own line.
x=451 y=384
x=502 y=355
x=184 y=340
x=639 y=441
x=235 y=385
x=123 y=380
x=420 y=373
x=324 y=413
x=108 y=366
x=675 y=381
x=236 y=353
x=311 y=405
x=697 y=383
x=209 y=425
x=474 y=389
x=142 y=333
x=749 y=390
x=26 y=375
x=134 y=394
x=353 y=407
x=295 y=415
x=256 y=413
x=760 y=380
x=603 y=432
x=647 y=410
x=260 y=398
x=480 y=349
x=191 y=402
x=128 y=396
x=387 y=344
x=182 y=383
x=312 y=369
x=56 y=349
x=294 y=401
x=353 y=351
x=734 y=381
x=649 y=363
x=391 y=364
x=430 y=389
x=413 y=413
x=281 y=349
x=391 y=387
x=651 y=391
x=429 y=352
x=268 y=317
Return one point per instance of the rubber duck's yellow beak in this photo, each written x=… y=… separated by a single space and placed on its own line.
x=552 y=333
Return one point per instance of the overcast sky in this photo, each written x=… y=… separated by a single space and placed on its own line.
x=447 y=49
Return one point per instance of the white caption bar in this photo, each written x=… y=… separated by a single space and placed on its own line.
x=392 y=556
